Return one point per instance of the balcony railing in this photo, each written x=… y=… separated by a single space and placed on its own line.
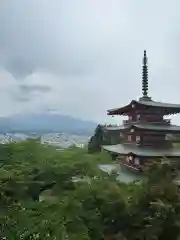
x=112 y=125
x=167 y=121
x=125 y=122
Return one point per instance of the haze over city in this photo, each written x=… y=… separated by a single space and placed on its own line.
x=83 y=57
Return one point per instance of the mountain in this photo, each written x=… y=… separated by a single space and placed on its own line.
x=46 y=122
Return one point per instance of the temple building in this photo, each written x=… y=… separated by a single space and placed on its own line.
x=145 y=134
x=104 y=135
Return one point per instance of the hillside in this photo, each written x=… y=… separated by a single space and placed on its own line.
x=46 y=122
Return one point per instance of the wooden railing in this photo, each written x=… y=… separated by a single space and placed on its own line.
x=125 y=122
x=167 y=121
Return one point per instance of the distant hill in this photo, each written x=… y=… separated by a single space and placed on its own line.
x=46 y=122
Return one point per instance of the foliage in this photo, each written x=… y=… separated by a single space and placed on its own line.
x=96 y=140
x=84 y=202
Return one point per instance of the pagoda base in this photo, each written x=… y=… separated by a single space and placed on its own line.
x=131 y=167
x=128 y=165
x=127 y=162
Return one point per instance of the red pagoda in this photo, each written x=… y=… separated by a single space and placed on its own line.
x=145 y=132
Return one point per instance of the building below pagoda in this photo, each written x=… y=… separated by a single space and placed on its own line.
x=145 y=133
x=104 y=135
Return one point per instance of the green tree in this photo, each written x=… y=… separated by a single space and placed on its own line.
x=96 y=141
x=84 y=203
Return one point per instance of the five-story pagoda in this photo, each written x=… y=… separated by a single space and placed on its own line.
x=145 y=133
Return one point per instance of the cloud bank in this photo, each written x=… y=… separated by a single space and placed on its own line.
x=82 y=57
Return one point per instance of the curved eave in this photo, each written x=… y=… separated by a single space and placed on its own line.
x=113 y=149
x=115 y=128
x=141 y=152
x=120 y=111
x=166 y=108
x=172 y=112
x=170 y=129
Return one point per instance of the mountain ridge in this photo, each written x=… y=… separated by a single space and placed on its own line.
x=46 y=122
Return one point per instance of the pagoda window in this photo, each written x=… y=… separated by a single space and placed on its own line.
x=129 y=137
x=121 y=134
x=136 y=161
x=138 y=138
x=153 y=139
x=168 y=136
x=130 y=159
x=138 y=117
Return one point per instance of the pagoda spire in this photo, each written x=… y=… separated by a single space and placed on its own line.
x=145 y=76
x=145 y=79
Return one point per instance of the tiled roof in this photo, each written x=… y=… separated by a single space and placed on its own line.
x=167 y=107
x=158 y=127
x=115 y=128
x=142 y=151
x=159 y=104
x=146 y=126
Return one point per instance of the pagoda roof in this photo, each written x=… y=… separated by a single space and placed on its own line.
x=167 y=108
x=158 y=127
x=114 y=128
x=142 y=151
x=146 y=126
x=145 y=101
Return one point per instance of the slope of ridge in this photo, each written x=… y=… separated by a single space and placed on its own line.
x=46 y=122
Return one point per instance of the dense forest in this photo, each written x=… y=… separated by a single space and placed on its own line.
x=62 y=194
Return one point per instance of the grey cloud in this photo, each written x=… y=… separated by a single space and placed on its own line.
x=20 y=98
x=34 y=88
x=19 y=68
x=26 y=92
x=47 y=40
x=93 y=49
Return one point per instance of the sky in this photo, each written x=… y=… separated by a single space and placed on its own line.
x=82 y=57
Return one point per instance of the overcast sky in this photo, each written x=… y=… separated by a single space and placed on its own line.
x=82 y=57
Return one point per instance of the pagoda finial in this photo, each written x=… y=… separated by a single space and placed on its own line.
x=145 y=76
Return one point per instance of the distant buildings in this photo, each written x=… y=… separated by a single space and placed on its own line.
x=63 y=140
x=57 y=139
